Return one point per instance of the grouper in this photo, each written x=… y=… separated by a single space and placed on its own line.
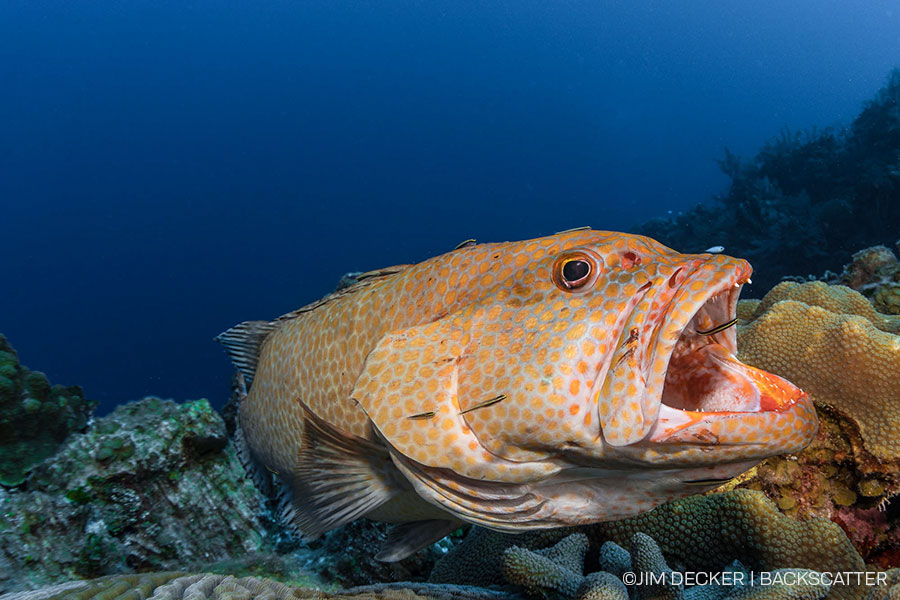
x=581 y=377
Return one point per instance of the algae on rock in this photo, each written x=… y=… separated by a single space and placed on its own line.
x=35 y=416
x=153 y=485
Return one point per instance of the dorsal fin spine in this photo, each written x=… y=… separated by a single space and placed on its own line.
x=243 y=343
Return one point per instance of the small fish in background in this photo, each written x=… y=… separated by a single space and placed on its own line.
x=715 y=250
x=580 y=377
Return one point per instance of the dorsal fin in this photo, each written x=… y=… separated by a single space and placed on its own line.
x=243 y=342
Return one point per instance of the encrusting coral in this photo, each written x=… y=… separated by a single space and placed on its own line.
x=35 y=417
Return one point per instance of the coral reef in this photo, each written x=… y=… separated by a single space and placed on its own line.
x=875 y=273
x=210 y=586
x=804 y=198
x=558 y=568
x=35 y=417
x=842 y=360
x=555 y=572
x=851 y=470
x=702 y=533
x=153 y=485
x=830 y=341
x=699 y=533
x=157 y=485
x=347 y=556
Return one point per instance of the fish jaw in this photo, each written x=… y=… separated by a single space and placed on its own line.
x=751 y=411
x=684 y=294
x=712 y=408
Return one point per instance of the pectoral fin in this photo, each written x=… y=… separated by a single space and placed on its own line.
x=339 y=477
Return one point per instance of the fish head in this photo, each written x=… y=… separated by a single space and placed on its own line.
x=611 y=350
x=598 y=356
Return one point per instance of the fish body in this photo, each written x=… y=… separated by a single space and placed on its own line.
x=570 y=379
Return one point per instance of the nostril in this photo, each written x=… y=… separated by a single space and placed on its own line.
x=630 y=259
x=675 y=279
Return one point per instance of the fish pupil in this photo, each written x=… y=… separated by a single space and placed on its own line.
x=575 y=269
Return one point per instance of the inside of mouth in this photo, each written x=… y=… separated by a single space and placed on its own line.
x=705 y=376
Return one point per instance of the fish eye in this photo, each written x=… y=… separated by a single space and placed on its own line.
x=574 y=272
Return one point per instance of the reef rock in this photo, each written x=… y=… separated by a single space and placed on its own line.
x=35 y=417
x=154 y=485
x=875 y=273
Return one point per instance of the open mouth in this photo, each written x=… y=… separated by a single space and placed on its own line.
x=703 y=374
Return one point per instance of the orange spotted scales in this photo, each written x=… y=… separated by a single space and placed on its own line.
x=580 y=377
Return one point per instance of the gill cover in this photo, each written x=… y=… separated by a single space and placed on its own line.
x=409 y=388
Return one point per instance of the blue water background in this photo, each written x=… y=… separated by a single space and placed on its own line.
x=168 y=169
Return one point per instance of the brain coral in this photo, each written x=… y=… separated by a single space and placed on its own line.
x=210 y=586
x=831 y=342
x=834 y=298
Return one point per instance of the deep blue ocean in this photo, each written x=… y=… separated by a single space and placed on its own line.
x=168 y=169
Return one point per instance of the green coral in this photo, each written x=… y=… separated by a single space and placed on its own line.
x=114 y=448
x=7 y=385
x=37 y=385
x=698 y=534
x=704 y=531
x=143 y=488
